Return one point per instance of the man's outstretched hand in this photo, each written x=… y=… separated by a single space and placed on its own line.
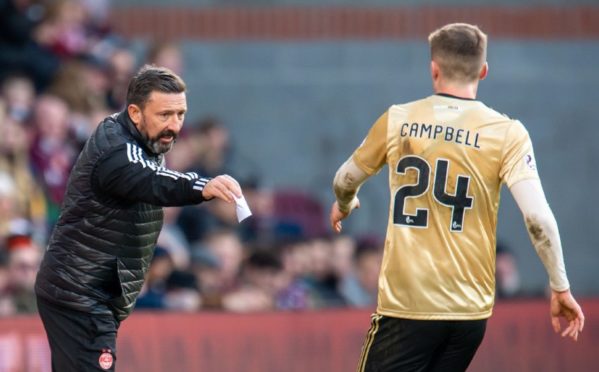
x=223 y=187
x=563 y=305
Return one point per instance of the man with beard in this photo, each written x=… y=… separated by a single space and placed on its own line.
x=101 y=247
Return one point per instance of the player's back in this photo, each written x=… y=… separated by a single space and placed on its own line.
x=447 y=159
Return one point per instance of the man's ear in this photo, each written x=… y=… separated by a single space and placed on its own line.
x=435 y=70
x=134 y=112
x=484 y=71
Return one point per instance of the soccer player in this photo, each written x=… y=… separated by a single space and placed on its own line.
x=448 y=155
x=101 y=247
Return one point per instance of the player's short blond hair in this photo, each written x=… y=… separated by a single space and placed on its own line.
x=460 y=50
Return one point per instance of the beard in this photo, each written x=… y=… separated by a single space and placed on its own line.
x=154 y=143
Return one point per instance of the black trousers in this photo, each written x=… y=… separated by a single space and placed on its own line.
x=79 y=341
x=398 y=345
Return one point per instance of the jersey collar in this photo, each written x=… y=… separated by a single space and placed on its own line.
x=456 y=97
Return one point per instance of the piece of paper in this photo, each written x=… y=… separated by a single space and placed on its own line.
x=243 y=209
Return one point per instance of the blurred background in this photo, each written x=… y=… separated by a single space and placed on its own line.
x=280 y=92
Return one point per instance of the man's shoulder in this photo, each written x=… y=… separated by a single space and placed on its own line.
x=402 y=110
x=496 y=115
x=111 y=133
x=408 y=105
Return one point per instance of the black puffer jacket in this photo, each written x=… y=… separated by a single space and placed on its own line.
x=102 y=244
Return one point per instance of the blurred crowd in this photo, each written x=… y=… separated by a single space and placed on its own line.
x=62 y=71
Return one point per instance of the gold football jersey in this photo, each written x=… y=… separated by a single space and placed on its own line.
x=448 y=158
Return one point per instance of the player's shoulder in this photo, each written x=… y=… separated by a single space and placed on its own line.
x=409 y=105
x=490 y=115
x=111 y=135
x=404 y=109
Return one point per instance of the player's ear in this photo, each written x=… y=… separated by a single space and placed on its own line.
x=434 y=70
x=484 y=71
x=134 y=112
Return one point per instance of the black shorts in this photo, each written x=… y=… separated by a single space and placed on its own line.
x=396 y=344
x=79 y=341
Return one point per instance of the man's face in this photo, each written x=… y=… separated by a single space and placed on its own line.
x=160 y=120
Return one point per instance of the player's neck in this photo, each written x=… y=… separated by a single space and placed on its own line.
x=457 y=90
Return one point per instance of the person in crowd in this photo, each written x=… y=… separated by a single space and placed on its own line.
x=24 y=257
x=322 y=279
x=507 y=276
x=52 y=151
x=166 y=54
x=18 y=92
x=262 y=279
x=360 y=287
x=153 y=292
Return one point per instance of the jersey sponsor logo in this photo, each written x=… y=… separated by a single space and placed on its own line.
x=106 y=359
x=530 y=162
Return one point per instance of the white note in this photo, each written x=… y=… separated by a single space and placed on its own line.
x=243 y=209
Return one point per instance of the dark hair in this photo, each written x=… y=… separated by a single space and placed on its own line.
x=150 y=79
x=460 y=50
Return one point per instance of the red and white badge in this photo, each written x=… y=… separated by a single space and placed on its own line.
x=106 y=359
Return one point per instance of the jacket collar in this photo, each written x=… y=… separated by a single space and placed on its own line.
x=124 y=119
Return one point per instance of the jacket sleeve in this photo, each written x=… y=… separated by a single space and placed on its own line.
x=125 y=172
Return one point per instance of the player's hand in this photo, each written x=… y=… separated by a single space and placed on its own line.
x=563 y=305
x=337 y=215
x=223 y=187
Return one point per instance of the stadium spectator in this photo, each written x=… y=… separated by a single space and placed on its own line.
x=173 y=239
x=19 y=93
x=28 y=198
x=206 y=268
x=8 y=208
x=182 y=292
x=322 y=279
x=63 y=28
x=228 y=250
x=360 y=287
x=153 y=292
x=24 y=258
x=52 y=152
x=82 y=85
x=23 y=42
x=213 y=143
x=507 y=277
x=262 y=279
x=6 y=305
x=122 y=64
x=166 y=287
x=166 y=54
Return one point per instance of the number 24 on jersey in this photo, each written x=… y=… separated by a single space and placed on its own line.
x=458 y=202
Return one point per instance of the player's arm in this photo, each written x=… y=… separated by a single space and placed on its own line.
x=126 y=173
x=544 y=235
x=365 y=161
x=347 y=182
